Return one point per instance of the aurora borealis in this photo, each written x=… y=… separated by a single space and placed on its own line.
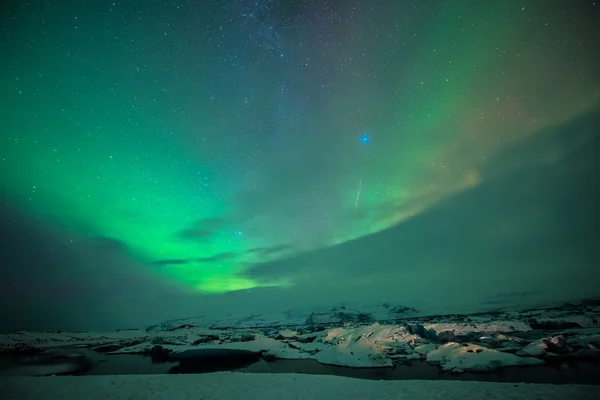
x=214 y=146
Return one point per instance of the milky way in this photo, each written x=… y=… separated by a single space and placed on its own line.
x=208 y=137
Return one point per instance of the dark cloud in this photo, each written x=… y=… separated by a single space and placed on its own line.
x=202 y=229
x=170 y=262
x=52 y=278
x=109 y=244
x=567 y=149
x=216 y=258
x=211 y=223
x=212 y=259
x=267 y=251
x=528 y=227
x=194 y=234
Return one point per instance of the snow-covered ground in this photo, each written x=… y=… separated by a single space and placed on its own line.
x=360 y=337
x=232 y=385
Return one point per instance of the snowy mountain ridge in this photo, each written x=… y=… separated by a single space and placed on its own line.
x=343 y=313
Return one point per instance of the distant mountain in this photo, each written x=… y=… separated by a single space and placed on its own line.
x=344 y=313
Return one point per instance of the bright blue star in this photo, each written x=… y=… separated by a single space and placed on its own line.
x=364 y=138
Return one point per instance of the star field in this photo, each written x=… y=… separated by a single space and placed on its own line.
x=209 y=137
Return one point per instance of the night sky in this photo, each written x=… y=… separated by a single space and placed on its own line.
x=176 y=158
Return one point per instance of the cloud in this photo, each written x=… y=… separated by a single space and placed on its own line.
x=170 y=262
x=109 y=244
x=194 y=234
x=55 y=278
x=528 y=226
x=267 y=251
x=570 y=145
x=211 y=259
x=202 y=229
x=306 y=178
x=216 y=258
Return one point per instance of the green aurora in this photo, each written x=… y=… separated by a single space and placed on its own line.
x=205 y=153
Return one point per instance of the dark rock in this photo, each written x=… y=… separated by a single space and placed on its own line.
x=269 y=357
x=419 y=330
x=184 y=326
x=205 y=339
x=306 y=338
x=106 y=348
x=339 y=317
x=591 y=302
x=158 y=354
x=19 y=349
x=553 y=325
x=557 y=344
x=446 y=336
x=245 y=338
x=159 y=340
x=398 y=311
x=310 y=329
x=270 y=332
x=294 y=346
